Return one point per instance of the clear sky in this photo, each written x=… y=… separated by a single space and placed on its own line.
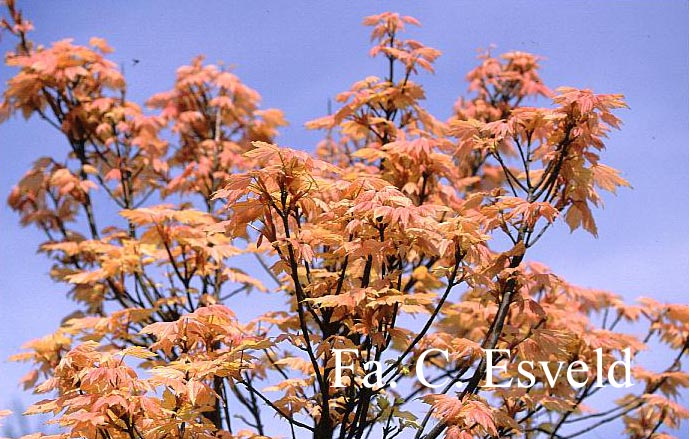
x=297 y=54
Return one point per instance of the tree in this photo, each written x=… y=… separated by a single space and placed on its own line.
x=396 y=214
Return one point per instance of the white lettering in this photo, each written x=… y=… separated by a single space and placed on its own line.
x=339 y=367
x=419 y=368
x=571 y=370
x=490 y=367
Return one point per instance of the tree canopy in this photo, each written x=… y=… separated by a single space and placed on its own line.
x=401 y=234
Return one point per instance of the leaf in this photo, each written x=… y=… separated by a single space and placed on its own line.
x=478 y=412
x=100 y=44
x=608 y=178
x=138 y=352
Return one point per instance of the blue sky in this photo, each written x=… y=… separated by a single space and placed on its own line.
x=298 y=54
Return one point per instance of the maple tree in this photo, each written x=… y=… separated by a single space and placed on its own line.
x=400 y=234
